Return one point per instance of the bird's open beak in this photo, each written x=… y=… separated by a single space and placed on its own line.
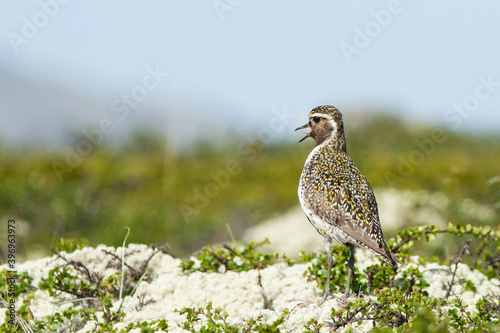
x=302 y=127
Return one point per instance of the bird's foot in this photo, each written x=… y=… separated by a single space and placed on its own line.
x=327 y=293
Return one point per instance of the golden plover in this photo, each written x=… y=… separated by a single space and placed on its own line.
x=335 y=196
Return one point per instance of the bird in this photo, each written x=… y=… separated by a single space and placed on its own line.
x=336 y=197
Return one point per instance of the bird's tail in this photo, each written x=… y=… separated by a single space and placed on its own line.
x=395 y=260
x=390 y=259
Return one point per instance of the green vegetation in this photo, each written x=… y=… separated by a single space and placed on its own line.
x=485 y=258
x=391 y=302
x=94 y=294
x=217 y=321
x=162 y=194
x=231 y=258
x=70 y=245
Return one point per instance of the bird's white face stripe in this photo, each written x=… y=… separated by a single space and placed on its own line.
x=323 y=115
x=334 y=131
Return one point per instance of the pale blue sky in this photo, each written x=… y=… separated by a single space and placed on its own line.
x=228 y=71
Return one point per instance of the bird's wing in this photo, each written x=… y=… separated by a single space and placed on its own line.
x=355 y=213
x=367 y=232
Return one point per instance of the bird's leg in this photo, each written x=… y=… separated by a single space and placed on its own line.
x=328 y=247
x=351 y=269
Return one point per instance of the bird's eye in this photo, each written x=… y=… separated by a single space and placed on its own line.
x=316 y=119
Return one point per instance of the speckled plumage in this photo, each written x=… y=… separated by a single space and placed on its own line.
x=335 y=196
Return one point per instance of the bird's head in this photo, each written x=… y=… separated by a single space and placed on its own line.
x=326 y=125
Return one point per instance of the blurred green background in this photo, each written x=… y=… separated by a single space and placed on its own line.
x=150 y=188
